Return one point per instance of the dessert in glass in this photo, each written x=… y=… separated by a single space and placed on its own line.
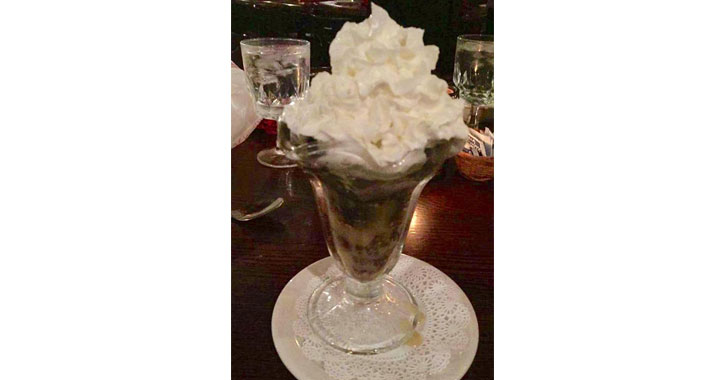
x=371 y=135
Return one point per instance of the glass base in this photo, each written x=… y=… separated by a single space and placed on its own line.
x=363 y=325
x=274 y=158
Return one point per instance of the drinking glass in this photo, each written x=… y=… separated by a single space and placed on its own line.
x=473 y=73
x=278 y=70
x=366 y=211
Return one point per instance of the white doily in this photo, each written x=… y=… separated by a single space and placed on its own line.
x=443 y=331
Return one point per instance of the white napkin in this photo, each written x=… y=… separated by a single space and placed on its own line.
x=479 y=144
x=244 y=118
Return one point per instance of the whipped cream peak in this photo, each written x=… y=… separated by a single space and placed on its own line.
x=381 y=96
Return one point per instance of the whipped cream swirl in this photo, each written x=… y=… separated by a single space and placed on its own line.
x=381 y=96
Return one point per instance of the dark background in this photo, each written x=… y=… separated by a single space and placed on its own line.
x=318 y=22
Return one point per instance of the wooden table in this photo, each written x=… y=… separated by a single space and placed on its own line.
x=452 y=230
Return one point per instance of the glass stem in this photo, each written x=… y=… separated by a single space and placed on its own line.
x=363 y=291
x=473 y=118
x=276 y=140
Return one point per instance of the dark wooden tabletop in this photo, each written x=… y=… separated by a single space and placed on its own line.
x=453 y=231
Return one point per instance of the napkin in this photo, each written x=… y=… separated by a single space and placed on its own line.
x=479 y=144
x=244 y=117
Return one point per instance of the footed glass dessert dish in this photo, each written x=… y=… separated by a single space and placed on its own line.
x=370 y=134
x=366 y=211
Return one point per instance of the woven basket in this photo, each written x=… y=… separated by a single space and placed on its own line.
x=475 y=168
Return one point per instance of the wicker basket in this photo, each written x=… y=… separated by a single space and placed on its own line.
x=475 y=168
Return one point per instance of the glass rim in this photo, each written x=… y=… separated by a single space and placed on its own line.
x=475 y=37
x=270 y=41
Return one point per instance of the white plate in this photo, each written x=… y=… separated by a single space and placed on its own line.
x=288 y=345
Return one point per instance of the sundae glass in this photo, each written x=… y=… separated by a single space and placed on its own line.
x=371 y=135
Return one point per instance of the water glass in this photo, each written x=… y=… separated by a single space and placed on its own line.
x=473 y=69
x=278 y=70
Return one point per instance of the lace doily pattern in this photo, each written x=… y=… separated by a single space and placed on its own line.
x=443 y=330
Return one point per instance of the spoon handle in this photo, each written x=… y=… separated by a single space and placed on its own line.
x=238 y=215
